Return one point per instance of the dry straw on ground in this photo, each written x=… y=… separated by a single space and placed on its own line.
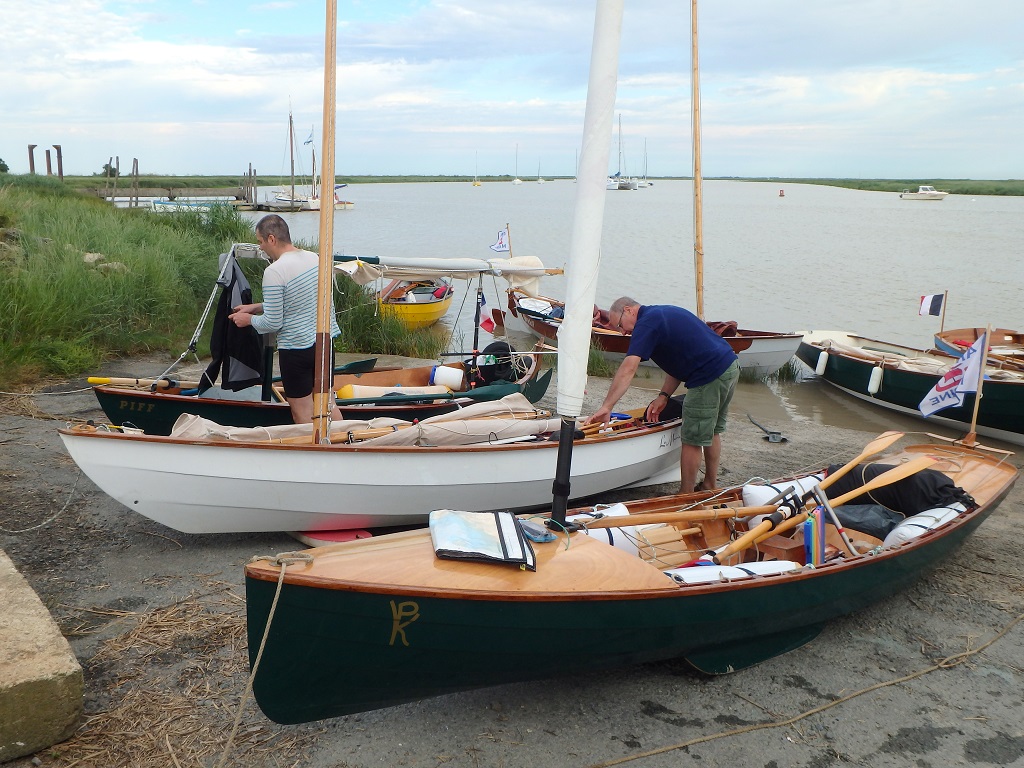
x=171 y=688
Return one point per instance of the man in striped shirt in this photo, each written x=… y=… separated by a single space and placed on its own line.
x=289 y=310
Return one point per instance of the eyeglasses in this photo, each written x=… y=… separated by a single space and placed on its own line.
x=618 y=325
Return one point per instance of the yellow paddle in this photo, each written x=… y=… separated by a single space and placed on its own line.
x=877 y=445
x=158 y=383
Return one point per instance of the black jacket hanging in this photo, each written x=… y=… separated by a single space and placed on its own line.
x=237 y=352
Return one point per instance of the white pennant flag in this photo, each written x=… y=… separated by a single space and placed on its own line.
x=502 y=242
x=958 y=381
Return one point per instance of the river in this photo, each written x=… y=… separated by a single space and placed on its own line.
x=817 y=258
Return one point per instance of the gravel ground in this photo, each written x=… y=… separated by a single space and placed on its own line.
x=156 y=618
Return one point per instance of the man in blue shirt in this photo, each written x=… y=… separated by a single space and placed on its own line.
x=689 y=353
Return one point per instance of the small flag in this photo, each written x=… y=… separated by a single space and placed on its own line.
x=502 y=242
x=959 y=380
x=310 y=139
x=487 y=324
x=931 y=305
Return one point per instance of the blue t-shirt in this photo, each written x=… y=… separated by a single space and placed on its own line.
x=681 y=344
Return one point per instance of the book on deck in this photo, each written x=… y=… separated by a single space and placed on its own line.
x=487 y=537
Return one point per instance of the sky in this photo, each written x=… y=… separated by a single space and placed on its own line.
x=832 y=88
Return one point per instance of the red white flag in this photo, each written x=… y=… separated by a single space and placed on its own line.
x=963 y=377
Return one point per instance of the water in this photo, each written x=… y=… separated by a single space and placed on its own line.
x=818 y=258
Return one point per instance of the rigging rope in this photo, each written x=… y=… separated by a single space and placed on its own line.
x=947 y=663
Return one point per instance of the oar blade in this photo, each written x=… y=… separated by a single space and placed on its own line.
x=876 y=446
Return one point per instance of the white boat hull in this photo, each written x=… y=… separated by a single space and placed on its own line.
x=223 y=487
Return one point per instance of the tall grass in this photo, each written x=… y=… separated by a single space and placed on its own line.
x=62 y=315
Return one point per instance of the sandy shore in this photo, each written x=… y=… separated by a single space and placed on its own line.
x=156 y=618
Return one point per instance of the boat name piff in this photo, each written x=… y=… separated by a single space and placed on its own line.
x=125 y=405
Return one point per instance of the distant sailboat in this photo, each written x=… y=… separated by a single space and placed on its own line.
x=517 y=180
x=642 y=182
x=540 y=179
x=476 y=172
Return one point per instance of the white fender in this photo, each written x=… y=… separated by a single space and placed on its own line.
x=875 y=382
x=921 y=523
x=822 y=363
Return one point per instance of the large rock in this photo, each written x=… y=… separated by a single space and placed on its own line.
x=40 y=679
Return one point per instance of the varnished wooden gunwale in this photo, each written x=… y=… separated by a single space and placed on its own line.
x=411 y=568
x=356 y=447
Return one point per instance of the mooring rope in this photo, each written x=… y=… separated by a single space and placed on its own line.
x=53 y=517
x=284 y=560
x=946 y=663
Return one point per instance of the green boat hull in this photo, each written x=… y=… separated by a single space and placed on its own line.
x=156 y=412
x=1001 y=414
x=371 y=649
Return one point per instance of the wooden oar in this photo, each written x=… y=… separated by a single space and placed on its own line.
x=138 y=383
x=876 y=446
x=678 y=516
x=771 y=526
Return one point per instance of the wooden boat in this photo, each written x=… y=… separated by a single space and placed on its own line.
x=760 y=353
x=205 y=478
x=373 y=623
x=898 y=378
x=417 y=303
x=212 y=479
x=1005 y=349
x=924 y=192
x=155 y=405
x=420 y=291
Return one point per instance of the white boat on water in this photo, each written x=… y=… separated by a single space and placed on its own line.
x=174 y=206
x=924 y=192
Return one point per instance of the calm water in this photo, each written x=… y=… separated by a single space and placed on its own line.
x=818 y=258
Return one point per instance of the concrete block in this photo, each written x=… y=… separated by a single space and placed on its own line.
x=41 y=683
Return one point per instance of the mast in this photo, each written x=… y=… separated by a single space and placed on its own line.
x=619 y=174
x=585 y=244
x=323 y=395
x=698 y=192
x=291 y=152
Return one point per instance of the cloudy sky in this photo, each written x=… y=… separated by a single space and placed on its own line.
x=830 y=88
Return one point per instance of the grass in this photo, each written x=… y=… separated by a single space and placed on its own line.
x=82 y=281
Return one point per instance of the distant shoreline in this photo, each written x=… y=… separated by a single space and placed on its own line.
x=1011 y=187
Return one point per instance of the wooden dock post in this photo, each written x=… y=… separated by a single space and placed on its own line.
x=60 y=163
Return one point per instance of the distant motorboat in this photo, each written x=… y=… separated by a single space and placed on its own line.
x=924 y=192
x=174 y=206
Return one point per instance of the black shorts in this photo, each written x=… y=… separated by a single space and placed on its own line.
x=297 y=366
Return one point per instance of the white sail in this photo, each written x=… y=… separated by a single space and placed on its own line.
x=588 y=215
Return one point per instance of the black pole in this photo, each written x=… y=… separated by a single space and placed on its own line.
x=561 y=486
x=475 y=367
x=268 y=372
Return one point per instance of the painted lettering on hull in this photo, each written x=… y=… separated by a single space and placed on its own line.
x=402 y=615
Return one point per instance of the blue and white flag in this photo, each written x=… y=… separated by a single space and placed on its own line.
x=962 y=378
x=931 y=305
x=310 y=139
x=502 y=242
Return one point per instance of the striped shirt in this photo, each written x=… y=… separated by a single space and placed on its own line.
x=289 y=300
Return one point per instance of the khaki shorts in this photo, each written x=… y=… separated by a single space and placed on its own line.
x=705 y=408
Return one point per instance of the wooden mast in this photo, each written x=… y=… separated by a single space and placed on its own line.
x=323 y=396
x=698 y=193
x=971 y=438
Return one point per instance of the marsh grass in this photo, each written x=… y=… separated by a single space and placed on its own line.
x=141 y=290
